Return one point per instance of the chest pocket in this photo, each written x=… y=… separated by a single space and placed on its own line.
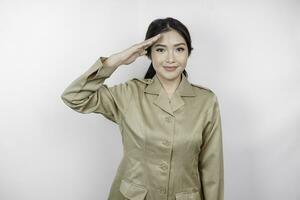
x=132 y=191
x=188 y=196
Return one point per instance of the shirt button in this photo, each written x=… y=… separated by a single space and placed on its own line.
x=168 y=119
x=163 y=166
x=162 y=190
x=166 y=143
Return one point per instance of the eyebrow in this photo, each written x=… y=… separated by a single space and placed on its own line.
x=165 y=45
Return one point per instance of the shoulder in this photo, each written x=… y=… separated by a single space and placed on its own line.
x=205 y=93
x=138 y=82
x=200 y=89
x=141 y=80
x=133 y=84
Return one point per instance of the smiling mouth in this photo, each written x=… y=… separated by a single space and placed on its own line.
x=169 y=68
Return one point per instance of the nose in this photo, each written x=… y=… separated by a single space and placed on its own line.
x=170 y=57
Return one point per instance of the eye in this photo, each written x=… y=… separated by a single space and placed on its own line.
x=159 y=50
x=180 y=49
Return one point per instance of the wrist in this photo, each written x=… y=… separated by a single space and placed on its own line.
x=112 y=61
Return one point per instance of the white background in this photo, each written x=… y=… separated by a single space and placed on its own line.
x=247 y=52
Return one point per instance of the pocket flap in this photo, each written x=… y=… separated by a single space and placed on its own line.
x=132 y=191
x=188 y=196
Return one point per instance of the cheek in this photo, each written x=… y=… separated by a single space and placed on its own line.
x=183 y=59
x=156 y=59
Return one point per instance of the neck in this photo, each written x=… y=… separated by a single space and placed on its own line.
x=170 y=85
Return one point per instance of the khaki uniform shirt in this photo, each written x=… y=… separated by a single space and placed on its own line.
x=172 y=148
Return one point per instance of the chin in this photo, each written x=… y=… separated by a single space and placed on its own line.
x=170 y=76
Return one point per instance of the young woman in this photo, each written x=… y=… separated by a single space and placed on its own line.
x=171 y=129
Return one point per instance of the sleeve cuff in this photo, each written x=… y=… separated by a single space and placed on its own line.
x=101 y=70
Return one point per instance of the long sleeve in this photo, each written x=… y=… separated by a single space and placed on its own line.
x=211 y=168
x=89 y=94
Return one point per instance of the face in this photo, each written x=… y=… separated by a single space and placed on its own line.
x=169 y=56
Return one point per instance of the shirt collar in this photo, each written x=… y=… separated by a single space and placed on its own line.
x=184 y=88
x=162 y=100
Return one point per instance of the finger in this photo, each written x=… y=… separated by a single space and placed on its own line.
x=145 y=44
x=153 y=39
x=149 y=41
x=143 y=53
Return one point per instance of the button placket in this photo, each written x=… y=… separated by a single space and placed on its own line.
x=168 y=119
x=166 y=143
x=162 y=190
x=163 y=166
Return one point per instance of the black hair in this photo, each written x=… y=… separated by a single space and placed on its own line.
x=163 y=25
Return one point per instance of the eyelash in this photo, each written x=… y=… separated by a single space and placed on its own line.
x=163 y=49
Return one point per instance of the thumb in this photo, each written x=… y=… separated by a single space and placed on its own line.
x=143 y=53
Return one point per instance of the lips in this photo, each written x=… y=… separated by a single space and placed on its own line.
x=170 y=68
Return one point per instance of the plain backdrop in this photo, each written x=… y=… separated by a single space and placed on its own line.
x=247 y=52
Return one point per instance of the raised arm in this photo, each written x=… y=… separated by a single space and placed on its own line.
x=211 y=168
x=89 y=94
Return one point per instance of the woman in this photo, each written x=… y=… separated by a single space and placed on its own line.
x=171 y=129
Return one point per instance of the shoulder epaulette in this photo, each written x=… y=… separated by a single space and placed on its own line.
x=147 y=80
x=201 y=87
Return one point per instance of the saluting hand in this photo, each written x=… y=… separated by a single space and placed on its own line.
x=130 y=54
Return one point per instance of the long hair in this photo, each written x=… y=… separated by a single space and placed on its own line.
x=163 y=25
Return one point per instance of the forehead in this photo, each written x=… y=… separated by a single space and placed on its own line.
x=170 y=38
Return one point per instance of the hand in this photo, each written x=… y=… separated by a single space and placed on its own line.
x=130 y=54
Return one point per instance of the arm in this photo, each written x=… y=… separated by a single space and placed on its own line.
x=89 y=94
x=211 y=156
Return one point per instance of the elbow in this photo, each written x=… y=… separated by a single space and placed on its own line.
x=64 y=98
x=80 y=106
x=67 y=101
